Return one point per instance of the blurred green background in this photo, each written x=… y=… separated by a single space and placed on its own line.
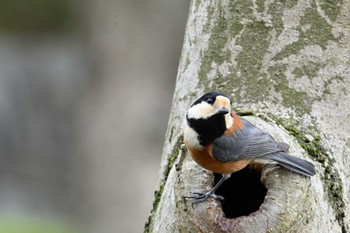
x=85 y=95
x=37 y=16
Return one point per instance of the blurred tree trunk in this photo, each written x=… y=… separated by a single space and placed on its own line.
x=289 y=60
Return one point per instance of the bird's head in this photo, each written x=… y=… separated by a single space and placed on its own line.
x=210 y=104
x=209 y=117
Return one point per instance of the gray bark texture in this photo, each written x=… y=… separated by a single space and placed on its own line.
x=287 y=63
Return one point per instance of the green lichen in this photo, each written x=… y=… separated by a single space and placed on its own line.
x=331 y=8
x=156 y=200
x=223 y=27
x=276 y=10
x=188 y=61
x=331 y=180
x=159 y=192
x=260 y=5
x=298 y=100
x=318 y=32
x=328 y=83
x=240 y=9
x=184 y=59
x=197 y=3
x=254 y=40
x=309 y=69
x=216 y=52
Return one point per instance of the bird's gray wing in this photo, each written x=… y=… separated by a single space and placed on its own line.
x=248 y=142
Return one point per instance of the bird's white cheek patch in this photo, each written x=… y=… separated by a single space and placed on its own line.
x=202 y=110
x=228 y=120
x=191 y=138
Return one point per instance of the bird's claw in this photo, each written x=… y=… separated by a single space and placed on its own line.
x=200 y=197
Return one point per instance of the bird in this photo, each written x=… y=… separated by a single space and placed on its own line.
x=221 y=141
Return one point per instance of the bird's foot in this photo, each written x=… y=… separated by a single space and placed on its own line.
x=200 y=197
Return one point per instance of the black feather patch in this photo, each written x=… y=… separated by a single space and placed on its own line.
x=209 y=97
x=208 y=129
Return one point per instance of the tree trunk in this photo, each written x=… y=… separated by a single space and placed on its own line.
x=288 y=62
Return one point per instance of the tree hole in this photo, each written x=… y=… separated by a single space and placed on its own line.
x=243 y=192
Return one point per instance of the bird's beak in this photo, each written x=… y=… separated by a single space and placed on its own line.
x=222 y=110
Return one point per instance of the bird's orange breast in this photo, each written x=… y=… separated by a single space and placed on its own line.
x=207 y=161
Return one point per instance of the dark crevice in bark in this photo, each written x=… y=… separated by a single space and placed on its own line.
x=243 y=192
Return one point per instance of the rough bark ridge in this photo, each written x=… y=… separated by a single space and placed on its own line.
x=289 y=60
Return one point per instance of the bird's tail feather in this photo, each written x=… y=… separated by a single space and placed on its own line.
x=293 y=163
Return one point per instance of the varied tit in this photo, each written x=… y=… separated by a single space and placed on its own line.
x=222 y=142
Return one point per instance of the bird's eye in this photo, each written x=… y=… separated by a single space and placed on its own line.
x=210 y=101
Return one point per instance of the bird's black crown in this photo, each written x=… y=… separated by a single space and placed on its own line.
x=209 y=97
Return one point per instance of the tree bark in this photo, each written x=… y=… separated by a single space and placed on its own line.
x=288 y=63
